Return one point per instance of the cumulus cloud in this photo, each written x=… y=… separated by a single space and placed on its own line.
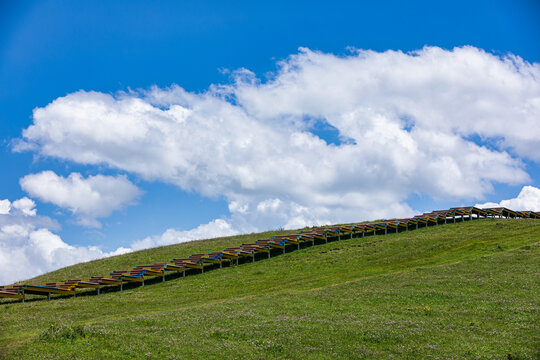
x=215 y=228
x=527 y=199
x=87 y=198
x=5 y=206
x=27 y=251
x=29 y=246
x=426 y=122
x=26 y=206
x=22 y=213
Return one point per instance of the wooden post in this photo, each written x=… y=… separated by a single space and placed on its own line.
x=98 y=291
x=121 y=286
x=49 y=296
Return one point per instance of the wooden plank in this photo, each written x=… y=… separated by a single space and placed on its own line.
x=44 y=290
x=11 y=295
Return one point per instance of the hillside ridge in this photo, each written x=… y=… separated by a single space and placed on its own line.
x=275 y=245
x=459 y=291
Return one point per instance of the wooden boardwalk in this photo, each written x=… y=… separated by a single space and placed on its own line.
x=260 y=249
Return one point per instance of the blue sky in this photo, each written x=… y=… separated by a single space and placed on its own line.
x=139 y=51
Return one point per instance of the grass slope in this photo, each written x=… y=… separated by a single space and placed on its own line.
x=463 y=291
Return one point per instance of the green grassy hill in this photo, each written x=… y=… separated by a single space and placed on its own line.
x=461 y=291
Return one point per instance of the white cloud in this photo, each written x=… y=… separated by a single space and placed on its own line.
x=406 y=121
x=5 y=206
x=27 y=251
x=215 y=228
x=528 y=199
x=87 y=198
x=269 y=205
x=24 y=215
x=26 y=206
x=29 y=247
x=235 y=206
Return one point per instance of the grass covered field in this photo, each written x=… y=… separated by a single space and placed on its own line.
x=460 y=291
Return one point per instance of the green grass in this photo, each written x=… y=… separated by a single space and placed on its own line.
x=464 y=291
